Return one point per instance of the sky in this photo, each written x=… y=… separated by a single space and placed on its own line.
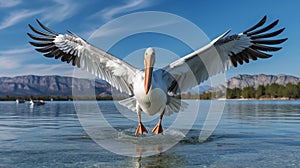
x=213 y=17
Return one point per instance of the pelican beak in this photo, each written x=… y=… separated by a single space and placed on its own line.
x=149 y=62
x=148 y=78
x=148 y=73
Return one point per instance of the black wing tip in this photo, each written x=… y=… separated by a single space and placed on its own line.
x=31 y=27
x=264 y=19
x=262 y=42
x=262 y=30
x=37 y=20
x=46 y=28
x=260 y=36
x=283 y=40
x=30 y=35
x=253 y=30
x=281 y=30
x=39 y=23
x=267 y=35
x=269 y=42
x=258 y=24
x=32 y=43
x=44 y=44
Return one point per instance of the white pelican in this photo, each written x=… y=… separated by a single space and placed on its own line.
x=152 y=91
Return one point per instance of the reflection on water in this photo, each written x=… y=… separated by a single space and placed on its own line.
x=263 y=110
x=162 y=160
x=251 y=133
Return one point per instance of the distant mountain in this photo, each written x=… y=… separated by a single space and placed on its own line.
x=32 y=85
x=199 y=89
x=242 y=81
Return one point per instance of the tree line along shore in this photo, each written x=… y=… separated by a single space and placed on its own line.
x=272 y=91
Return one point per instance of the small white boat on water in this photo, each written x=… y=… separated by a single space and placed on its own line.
x=37 y=102
x=20 y=101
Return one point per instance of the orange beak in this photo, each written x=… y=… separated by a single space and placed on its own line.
x=148 y=78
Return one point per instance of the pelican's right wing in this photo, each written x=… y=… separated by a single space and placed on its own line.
x=219 y=55
x=71 y=48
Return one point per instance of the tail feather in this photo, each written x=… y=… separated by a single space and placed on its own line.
x=130 y=103
x=175 y=105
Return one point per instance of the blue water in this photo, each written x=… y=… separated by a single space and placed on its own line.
x=249 y=134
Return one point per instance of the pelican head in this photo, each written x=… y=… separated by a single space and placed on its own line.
x=149 y=62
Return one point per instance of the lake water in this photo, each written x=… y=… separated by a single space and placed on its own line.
x=249 y=134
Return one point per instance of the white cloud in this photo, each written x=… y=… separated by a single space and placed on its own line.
x=13 y=59
x=132 y=5
x=15 y=62
x=131 y=25
x=62 y=10
x=14 y=67
x=6 y=63
x=61 y=69
x=16 y=51
x=9 y=3
x=17 y=16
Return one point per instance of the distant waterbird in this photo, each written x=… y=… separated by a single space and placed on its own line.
x=152 y=90
x=37 y=102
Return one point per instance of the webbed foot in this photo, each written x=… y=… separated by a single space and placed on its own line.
x=140 y=129
x=158 y=128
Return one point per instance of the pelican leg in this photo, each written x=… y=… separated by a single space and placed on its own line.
x=140 y=129
x=158 y=128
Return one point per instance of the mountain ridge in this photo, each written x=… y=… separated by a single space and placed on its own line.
x=54 y=85
x=245 y=80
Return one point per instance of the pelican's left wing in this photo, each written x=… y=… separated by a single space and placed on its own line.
x=72 y=49
x=220 y=54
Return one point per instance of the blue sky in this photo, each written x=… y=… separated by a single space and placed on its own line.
x=17 y=57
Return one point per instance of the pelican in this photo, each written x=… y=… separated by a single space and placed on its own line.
x=152 y=91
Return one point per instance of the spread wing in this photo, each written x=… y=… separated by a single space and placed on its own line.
x=72 y=49
x=220 y=54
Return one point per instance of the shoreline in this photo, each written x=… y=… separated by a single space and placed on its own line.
x=60 y=98
x=263 y=99
x=111 y=99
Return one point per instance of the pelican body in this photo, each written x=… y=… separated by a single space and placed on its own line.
x=151 y=91
x=151 y=95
